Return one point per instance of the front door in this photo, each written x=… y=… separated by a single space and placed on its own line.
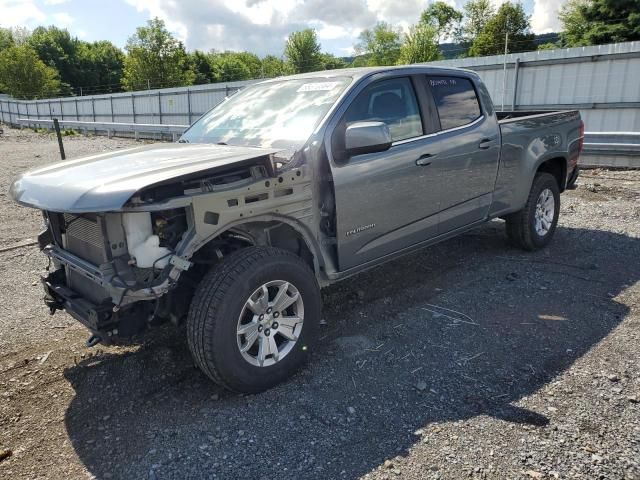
x=385 y=201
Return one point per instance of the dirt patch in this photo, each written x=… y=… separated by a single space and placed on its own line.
x=469 y=359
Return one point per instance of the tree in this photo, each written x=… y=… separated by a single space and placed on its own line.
x=420 y=45
x=24 y=75
x=6 y=39
x=331 y=62
x=232 y=68
x=20 y=35
x=58 y=50
x=575 y=26
x=512 y=19
x=548 y=46
x=155 y=58
x=477 y=14
x=443 y=18
x=381 y=45
x=204 y=69
x=100 y=67
x=594 y=22
x=302 y=51
x=273 y=66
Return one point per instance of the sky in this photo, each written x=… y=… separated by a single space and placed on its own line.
x=259 y=26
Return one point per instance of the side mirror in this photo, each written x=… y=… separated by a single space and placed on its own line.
x=367 y=137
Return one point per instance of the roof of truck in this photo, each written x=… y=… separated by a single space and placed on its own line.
x=360 y=72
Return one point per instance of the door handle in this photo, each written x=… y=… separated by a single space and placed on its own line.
x=424 y=160
x=487 y=143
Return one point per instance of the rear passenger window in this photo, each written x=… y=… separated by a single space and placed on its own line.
x=456 y=101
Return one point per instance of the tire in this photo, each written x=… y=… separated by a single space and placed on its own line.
x=523 y=228
x=221 y=307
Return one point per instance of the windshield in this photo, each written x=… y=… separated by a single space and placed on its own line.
x=275 y=114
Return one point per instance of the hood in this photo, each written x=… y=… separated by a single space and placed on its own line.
x=105 y=182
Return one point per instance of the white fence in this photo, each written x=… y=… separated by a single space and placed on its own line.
x=602 y=81
x=167 y=106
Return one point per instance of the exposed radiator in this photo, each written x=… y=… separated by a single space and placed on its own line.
x=84 y=238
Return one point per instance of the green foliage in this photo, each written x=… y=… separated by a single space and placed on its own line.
x=302 y=51
x=594 y=22
x=156 y=59
x=512 y=19
x=381 y=45
x=273 y=66
x=231 y=67
x=477 y=14
x=24 y=75
x=331 y=62
x=420 y=45
x=575 y=26
x=548 y=46
x=6 y=39
x=203 y=68
x=100 y=65
x=58 y=50
x=443 y=18
x=237 y=65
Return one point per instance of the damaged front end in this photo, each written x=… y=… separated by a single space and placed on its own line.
x=110 y=270
x=128 y=237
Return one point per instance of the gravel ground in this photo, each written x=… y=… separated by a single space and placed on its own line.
x=469 y=359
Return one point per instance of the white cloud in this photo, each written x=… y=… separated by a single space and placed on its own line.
x=545 y=16
x=19 y=12
x=62 y=19
x=55 y=2
x=261 y=26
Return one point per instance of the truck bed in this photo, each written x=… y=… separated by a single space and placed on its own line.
x=510 y=115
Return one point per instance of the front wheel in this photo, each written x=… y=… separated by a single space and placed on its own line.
x=254 y=319
x=533 y=227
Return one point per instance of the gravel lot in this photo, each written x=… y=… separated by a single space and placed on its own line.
x=468 y=360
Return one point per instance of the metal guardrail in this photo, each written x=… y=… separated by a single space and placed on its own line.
x=606 y=149
x=109 y=127
x=614 y=143
x=611 y=149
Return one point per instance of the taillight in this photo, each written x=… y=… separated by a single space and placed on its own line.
x=581 y=139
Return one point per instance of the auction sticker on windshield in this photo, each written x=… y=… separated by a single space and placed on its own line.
x=318 y=87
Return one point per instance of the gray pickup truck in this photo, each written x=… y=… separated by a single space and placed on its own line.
x=286 y=187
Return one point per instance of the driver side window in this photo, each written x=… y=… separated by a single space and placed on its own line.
x=392 y=102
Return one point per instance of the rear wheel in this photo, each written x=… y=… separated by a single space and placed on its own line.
x=254 y=319
x=533 y=227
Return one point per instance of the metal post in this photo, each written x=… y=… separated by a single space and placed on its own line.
x=133 y=107
x=159 y=108
x=61 y=110
x=49 y=104
x=504 y=72
x=189 y=104
x=516 y=70
x=56 y=126
x=93 y=109
x=111 y=105
x=75 y=101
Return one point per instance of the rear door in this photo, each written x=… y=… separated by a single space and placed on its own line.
x=465 y=151
x=384 y=201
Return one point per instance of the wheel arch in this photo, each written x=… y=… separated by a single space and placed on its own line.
x=556 y=166
x=272 y=230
